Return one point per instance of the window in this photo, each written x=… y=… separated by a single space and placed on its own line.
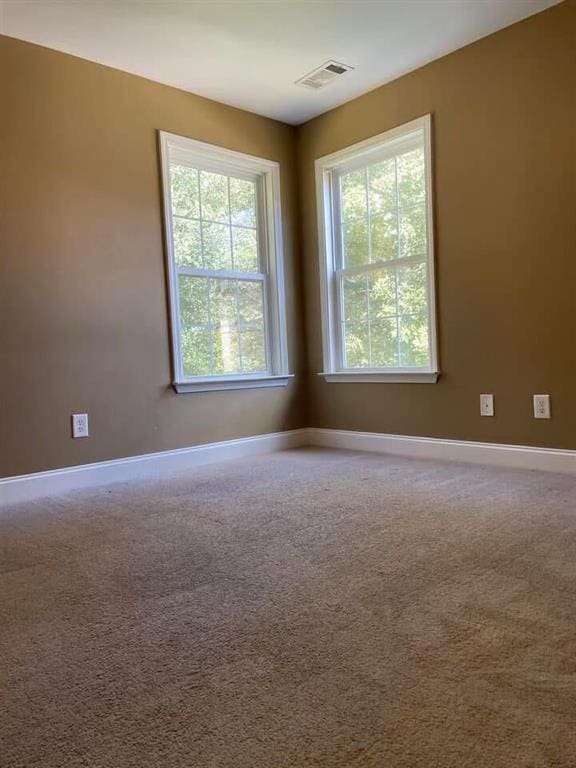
x=224 y=250
x=375 y=225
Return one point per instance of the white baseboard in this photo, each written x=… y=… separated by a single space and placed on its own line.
x=29 y=487
x=493 y=454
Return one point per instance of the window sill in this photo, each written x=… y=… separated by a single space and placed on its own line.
x=401 y=377
x=225 y=383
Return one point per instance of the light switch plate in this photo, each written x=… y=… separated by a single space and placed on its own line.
x=80 y=425
x=541 y=406
x=486 y=405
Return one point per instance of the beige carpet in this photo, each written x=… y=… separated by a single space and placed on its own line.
x=308 y=609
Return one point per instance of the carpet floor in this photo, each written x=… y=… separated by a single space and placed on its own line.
x=309 y=609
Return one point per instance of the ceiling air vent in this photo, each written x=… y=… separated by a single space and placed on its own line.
x=329 y=71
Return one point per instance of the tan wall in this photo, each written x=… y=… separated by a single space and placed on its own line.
x=504 y=113
x=83 y=312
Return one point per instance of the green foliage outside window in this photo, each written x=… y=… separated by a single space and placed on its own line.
x=383 y=221
x=214 y=227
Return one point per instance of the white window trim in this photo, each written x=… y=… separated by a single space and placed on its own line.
x=218 y=159
x=359 y=154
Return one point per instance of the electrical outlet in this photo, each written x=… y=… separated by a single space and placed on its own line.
x=486 y=405
x=80 y=425
x=541 y=406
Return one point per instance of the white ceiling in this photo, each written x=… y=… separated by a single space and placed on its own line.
x=249 y=53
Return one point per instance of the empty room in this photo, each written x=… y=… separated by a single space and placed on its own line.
x=287 y=383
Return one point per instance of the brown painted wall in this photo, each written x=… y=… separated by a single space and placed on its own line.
x=83 y=312
x=504 y=113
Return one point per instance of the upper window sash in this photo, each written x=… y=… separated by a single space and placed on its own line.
x=264 y=242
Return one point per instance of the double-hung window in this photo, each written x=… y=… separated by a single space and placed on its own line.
x=224 y=251
x=377 y=259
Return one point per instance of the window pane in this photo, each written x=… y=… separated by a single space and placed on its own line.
x=251 y=302
x=353 y=195
x=354 y=297
x=184 y=191
x=214 y=189
x=355 y=242
x=382 y=187
x=217 y=249
x=384 y=342
x=226 y=350
x=413 y=341
x=243 y=202
x=193 y=300
x=223 y=306
x=411 y=177
x=384 y=236
x=187 y=243
x=354 y=218
x=413 y=230
x=253 y=349
x=356 y=345
x=245 y=247
x=195 y=351
x=412 y=289
x=382 y=287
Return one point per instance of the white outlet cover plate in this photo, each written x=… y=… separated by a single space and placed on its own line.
x=80 y=425
x=486 y=405
x=541 y=406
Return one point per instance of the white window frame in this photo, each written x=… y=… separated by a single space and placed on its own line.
x=358 y=156
x=266 y=174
